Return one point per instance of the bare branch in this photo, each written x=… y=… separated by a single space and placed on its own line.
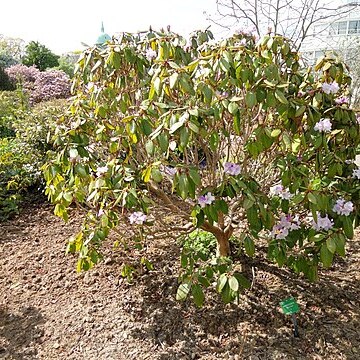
x=290 y=18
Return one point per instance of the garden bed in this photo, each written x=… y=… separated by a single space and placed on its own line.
x=48 y=311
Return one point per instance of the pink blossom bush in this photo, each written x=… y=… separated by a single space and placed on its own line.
x=40 y=85
x=20 y=74
x=50 y=84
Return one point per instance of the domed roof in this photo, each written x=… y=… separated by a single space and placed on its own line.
x=103 y=37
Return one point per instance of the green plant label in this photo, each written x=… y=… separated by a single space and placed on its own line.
x=289 y=306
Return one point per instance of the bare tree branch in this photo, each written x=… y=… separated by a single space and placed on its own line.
x=290 y=18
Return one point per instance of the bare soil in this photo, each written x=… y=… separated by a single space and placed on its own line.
x=49 y=311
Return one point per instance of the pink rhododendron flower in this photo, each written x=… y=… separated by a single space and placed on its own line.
x=232 y=168
x=150 y=54
x=322 y=223
x=137 y=217
x=279 y=190
x=323 y=125
x=343 y=207
x=330 y=88
x=286 y=224
x=342 y=100
x=207 y=199
x=168 y=170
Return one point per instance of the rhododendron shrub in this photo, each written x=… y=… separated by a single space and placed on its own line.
x=234 y=138
x=40 y=85
x=20 y=74
x=50 y=84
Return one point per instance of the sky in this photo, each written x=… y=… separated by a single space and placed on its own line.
x=63 y=25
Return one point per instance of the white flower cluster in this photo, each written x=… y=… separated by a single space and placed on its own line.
x=137 y=217
x=343 y=207
x=281 y=192
x=330 y=88
x=101 y=170
x=150 y=54
x=286 y=224
x=322 y=222
x=324 y=125
x=232 y=168
x=206 y=199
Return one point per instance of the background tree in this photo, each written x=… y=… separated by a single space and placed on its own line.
x=11 y=51
x=40 y=56
x=5 y=83
x=67 y=63
x=349 y=52
x=291 y=18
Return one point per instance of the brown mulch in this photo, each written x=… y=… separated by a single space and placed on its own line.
x=48 y=311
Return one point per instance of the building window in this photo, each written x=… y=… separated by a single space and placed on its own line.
x=338 y=28
x=354 y=27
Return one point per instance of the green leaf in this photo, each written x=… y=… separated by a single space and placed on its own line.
x=248 y=203
x=198 y=295
x=194 y=126
x=227 y=294
x=348 y=227
x=149 y=146
x=203 y=281
x=222 y=206
x=163 y=142
x=300 y=111
x=242 y=280
x=340 y=244
x=157 y=85
x=173 y=80
x=326 y=256
x=250 y=100
x=68 y=197
x=156 y=175
x=214 y=141
x=225 y=66
x=253 y=218
x=331 y=245
x=249 y=246
x=221 y=282
x=275 y=133
x=81 y=170
x=312 y=198
x=280 y=96
x=237 y=123
x=184 y=137
x=233 y=108
x=185 y=84
x=182 y=292
x=184 y=260
x=233 y=283
x=183 y=185
x=195 y=177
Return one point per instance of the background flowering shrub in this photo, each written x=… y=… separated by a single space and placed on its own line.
x=21 y=74
x=23 y=147
x=50 y=84
x=233 y=138
x=40 y=85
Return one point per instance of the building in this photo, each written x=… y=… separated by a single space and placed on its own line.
x=339 y=35
x=103 y=37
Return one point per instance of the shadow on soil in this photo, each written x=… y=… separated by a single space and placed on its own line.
x=21 y=333
x=329 y=317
